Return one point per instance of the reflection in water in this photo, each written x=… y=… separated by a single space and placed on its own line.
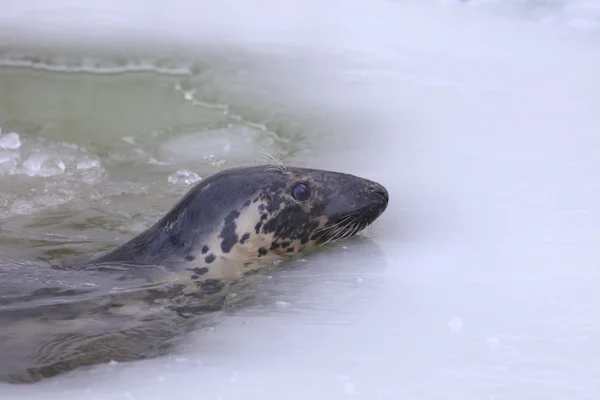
x=54 y=320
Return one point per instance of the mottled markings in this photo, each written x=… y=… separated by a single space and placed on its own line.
x=277 y=201
x=283 y=228
x=228 y=234
x=287 y=225
x=245 y=237
x=200 y=271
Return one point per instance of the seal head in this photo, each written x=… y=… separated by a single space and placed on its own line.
x=258 y=213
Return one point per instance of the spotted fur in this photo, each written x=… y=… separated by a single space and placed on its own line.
x=234 y=223
x=243 y=219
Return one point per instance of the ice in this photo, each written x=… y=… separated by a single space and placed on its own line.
x=43 y=165
x=183 y=177
x=233 y=142
x=10 y=141
x=45 y=174
x=8 y=162
x=482 y=274
x=493 y=342
x=456 y=325
x=348 y=385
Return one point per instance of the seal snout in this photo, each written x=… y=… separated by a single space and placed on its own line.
x=379 y=190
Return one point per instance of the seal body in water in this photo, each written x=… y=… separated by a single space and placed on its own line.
x=229 y=225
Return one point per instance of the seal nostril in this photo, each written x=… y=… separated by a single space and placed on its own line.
x=381 y=191
x=383 y=194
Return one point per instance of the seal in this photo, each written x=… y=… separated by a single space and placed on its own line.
x=246 y=215
x=234 y=223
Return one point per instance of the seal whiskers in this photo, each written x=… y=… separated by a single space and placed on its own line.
x=279 y=165
x=347 y=227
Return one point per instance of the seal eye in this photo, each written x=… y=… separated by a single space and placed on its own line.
x=301 y=192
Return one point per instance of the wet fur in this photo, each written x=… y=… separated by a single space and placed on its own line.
x=240 y=220
x=234 y=223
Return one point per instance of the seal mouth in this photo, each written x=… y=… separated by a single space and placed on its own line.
x=345 y=225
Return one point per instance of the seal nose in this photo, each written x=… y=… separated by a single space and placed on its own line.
x=380 y=191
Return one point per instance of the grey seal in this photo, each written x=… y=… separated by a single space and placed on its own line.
x=236 y=222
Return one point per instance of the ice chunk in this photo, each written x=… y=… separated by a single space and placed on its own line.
x=10 y=141
x=233 y=142
x=39 y=164
x=183 y=177
x=9 y=161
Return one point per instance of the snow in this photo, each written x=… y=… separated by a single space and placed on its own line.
x=480 y=280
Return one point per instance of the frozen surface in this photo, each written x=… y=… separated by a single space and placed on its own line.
x=479 y=282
